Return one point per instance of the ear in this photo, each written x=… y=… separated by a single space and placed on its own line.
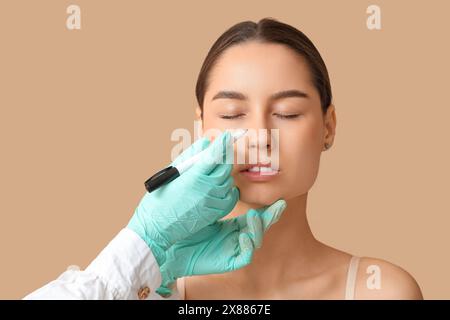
x=198 y=116
x=330 y=125
x=198 y=113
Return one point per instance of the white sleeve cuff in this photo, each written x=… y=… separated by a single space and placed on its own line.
x=127 y=267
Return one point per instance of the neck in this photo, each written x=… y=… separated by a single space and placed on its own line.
x=287 y=250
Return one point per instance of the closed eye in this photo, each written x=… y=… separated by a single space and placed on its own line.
x=231 y=116
x=286 y=116
x=279 y=115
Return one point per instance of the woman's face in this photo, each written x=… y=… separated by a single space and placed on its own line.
x=256 y=71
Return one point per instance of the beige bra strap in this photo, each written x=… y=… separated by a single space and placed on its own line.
x=351 y=278
x=181 y=287
x=349 y=290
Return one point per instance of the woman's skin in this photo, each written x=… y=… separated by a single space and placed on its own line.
x=292 y=263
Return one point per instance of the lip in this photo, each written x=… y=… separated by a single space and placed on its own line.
x=258 y=176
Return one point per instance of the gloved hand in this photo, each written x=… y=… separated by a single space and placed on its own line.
x=225 y=245
x=197 y=198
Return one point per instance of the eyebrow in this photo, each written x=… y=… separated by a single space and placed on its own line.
x=279 y=95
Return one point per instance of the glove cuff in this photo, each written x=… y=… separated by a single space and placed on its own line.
x=158 y=252
x=168 y=278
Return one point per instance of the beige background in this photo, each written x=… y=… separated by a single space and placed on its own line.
x=86 y=117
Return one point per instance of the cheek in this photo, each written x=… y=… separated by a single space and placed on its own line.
x=300 y=174
x=300 y=152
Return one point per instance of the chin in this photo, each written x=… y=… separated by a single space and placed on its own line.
x=259 y=196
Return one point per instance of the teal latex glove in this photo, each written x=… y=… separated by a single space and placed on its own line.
x=223 y=246
x=202 y=195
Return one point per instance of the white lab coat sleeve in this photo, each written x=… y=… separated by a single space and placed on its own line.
x=124 y=268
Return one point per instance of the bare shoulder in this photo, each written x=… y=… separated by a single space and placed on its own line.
x=380 y=279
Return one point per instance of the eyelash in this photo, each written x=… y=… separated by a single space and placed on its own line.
x=281 y=116
x=287 y=116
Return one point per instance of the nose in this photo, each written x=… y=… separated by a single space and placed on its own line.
x=258 y=138
x=259 y=124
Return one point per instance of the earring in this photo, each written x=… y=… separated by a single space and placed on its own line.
x=327 y=146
